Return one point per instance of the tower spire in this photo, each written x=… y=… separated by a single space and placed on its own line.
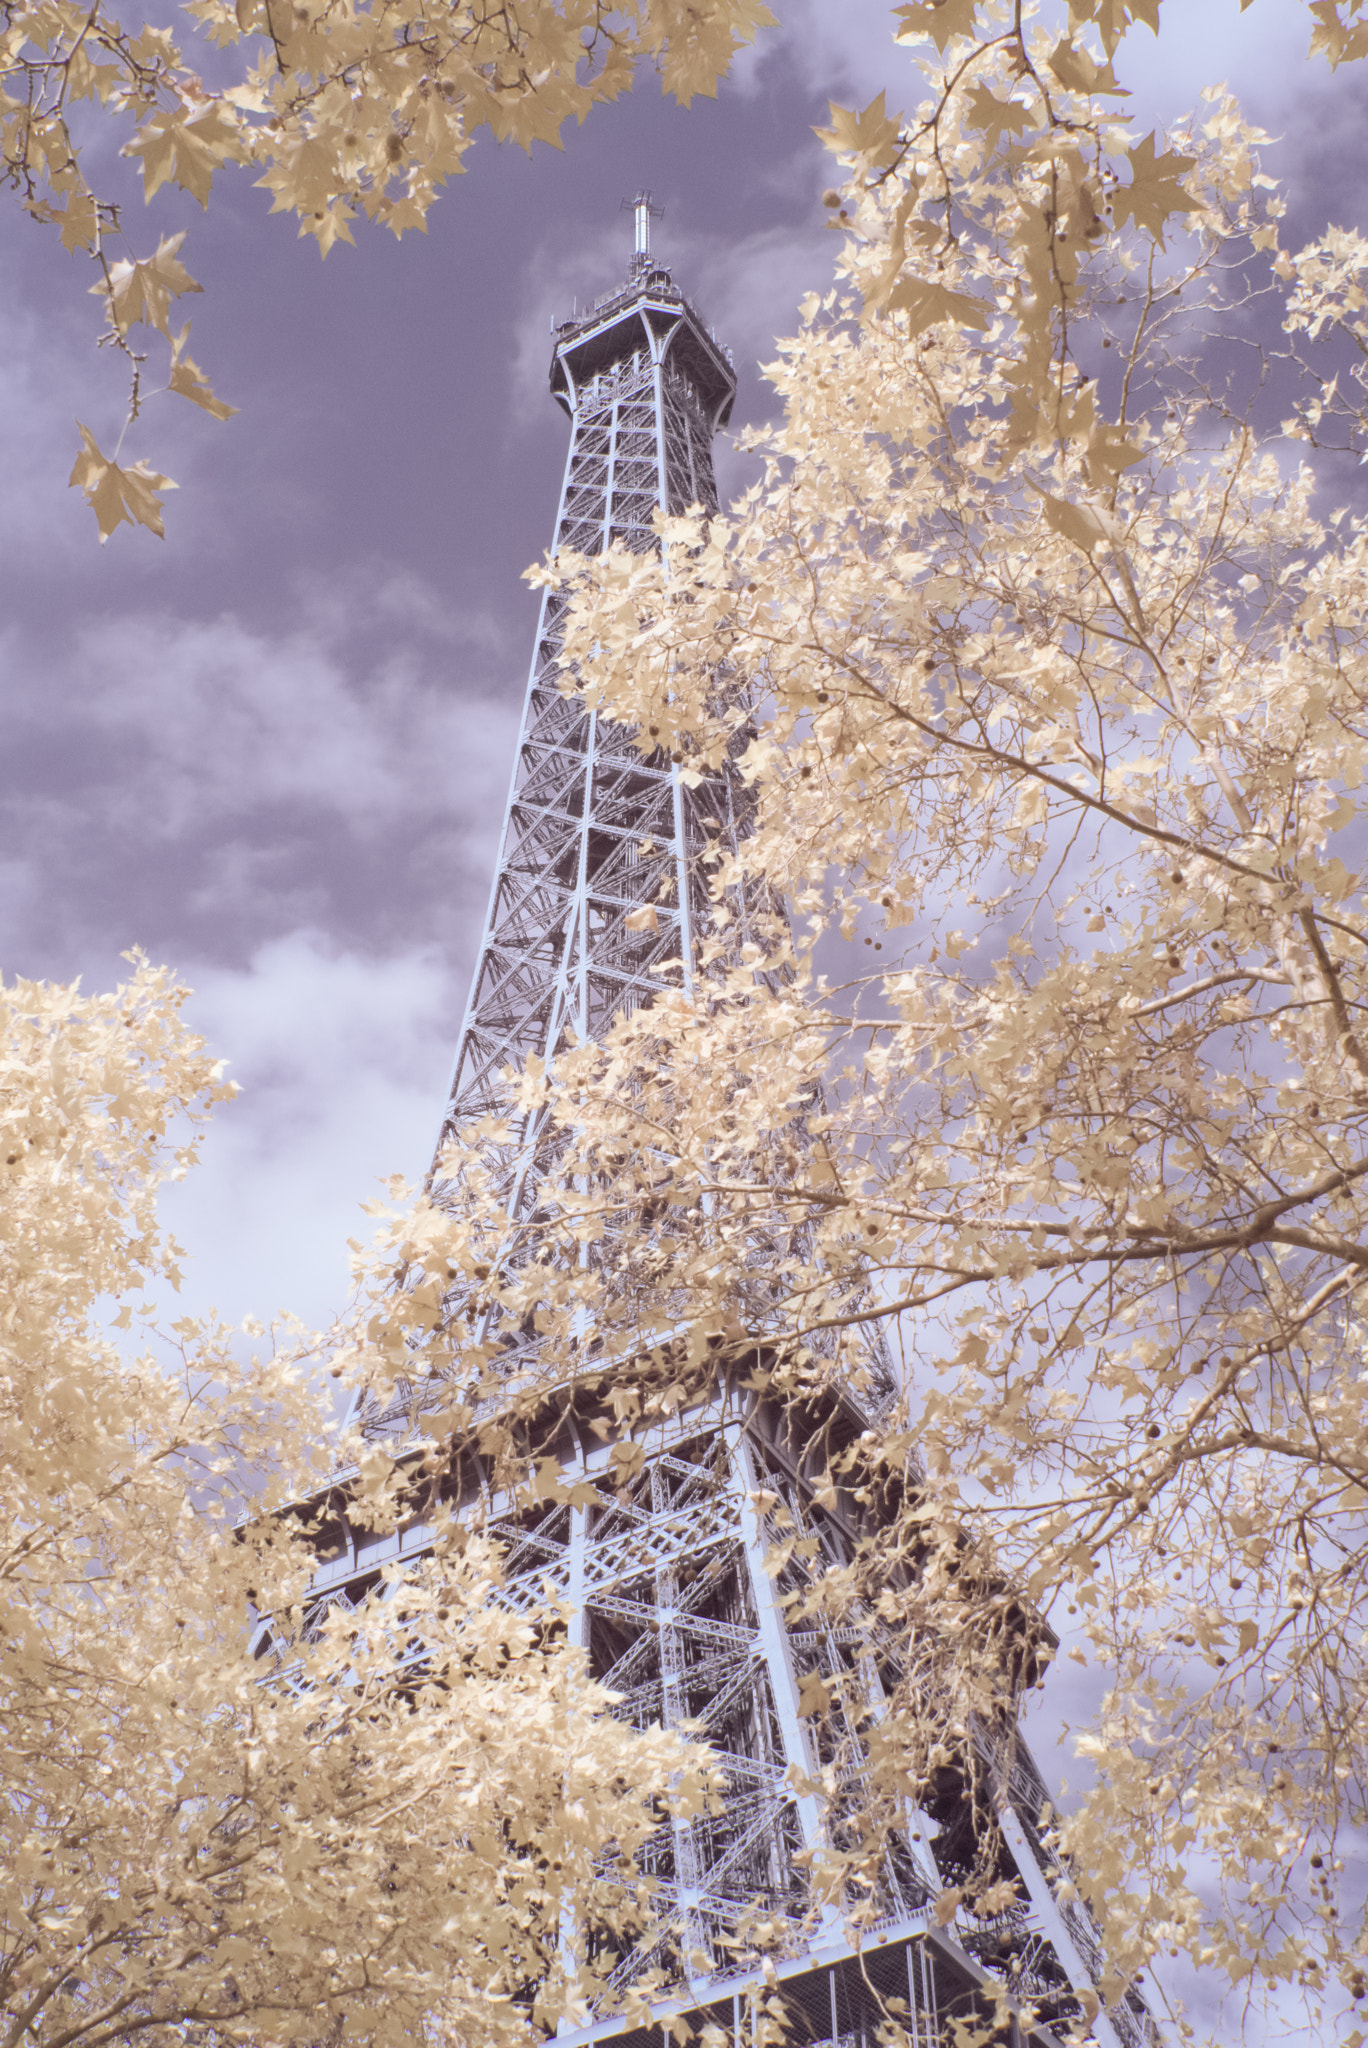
x=643 y=212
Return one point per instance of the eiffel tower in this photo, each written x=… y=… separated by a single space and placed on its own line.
x=667 y=1578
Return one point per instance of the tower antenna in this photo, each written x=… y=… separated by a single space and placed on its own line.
x=643 y=212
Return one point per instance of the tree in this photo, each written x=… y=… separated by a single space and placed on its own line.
x=394 y=1825
x=1048 y=678
x=345 y=113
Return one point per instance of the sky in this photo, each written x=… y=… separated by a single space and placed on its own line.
x=273 y=749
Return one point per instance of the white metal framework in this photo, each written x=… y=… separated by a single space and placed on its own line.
x=671 y=1580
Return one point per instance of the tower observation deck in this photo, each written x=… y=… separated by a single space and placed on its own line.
x=667 y=1577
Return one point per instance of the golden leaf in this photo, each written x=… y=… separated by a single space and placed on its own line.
x=116 y=495
x=938 y=19
x=870 y=137
x=144 y=290
x=188 y=147
x=995 y=117
x=1085 y=525
x=1078 y=71
x=927 y=304
x=189 y=380
x=1154 y=193
x=813 y=1696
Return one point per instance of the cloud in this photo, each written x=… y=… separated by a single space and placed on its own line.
x=46 y=377
x=303 y=825
x=199 y=786
x=838 y=50
x=342 y=1057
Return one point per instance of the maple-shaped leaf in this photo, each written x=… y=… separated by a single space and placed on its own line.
x=328 y=225
x=926 y=304
x=155 y=46
x=1084 y=525
x=190 y=381
x=1114 y=17
x=995 y=117
x=870 y=137
x=939 y=19
x=693 y=42
x=530 y=117
x=189 y=147
x=1155 y=191
x=1335 y=38
x=402 y=214
x=78 y=220
x=118 y=496
x=700 y=42
x=944 y=1908
x=1075 y=69
x=813 y=1696
x=1108 y=453
x=87 y=80
x=144 y=290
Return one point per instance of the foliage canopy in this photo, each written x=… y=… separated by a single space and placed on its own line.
x=1043 y=645
x=379 y=1835
x=344 y=112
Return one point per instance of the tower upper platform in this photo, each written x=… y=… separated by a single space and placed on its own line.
x=646 y=320
x=647 y=316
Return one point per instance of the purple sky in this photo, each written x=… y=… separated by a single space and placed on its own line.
x=273 y=749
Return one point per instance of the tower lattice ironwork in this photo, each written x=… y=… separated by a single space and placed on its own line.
x=593 y=832
x=667 y=1578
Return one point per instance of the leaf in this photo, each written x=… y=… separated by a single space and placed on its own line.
x=939 y=19
x=1075 y=69
x=154 y=46
x=280 y=25
x=700 y=50
x=188 y=148
x=374 y=1469
x=926 y=304
x=144 y=290
x=813 y=1696
x=643 y=920
x=945 y=1908
x=78 y=220
x=870 y=137
x=1114 y=17
x=1108 y=453
x=1154 y=193
x=118 y=495
x=997 y=117
x=1333 y=38
x=190 y=381
x=1087 y=528
x=327 y=226
x=88 y=80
